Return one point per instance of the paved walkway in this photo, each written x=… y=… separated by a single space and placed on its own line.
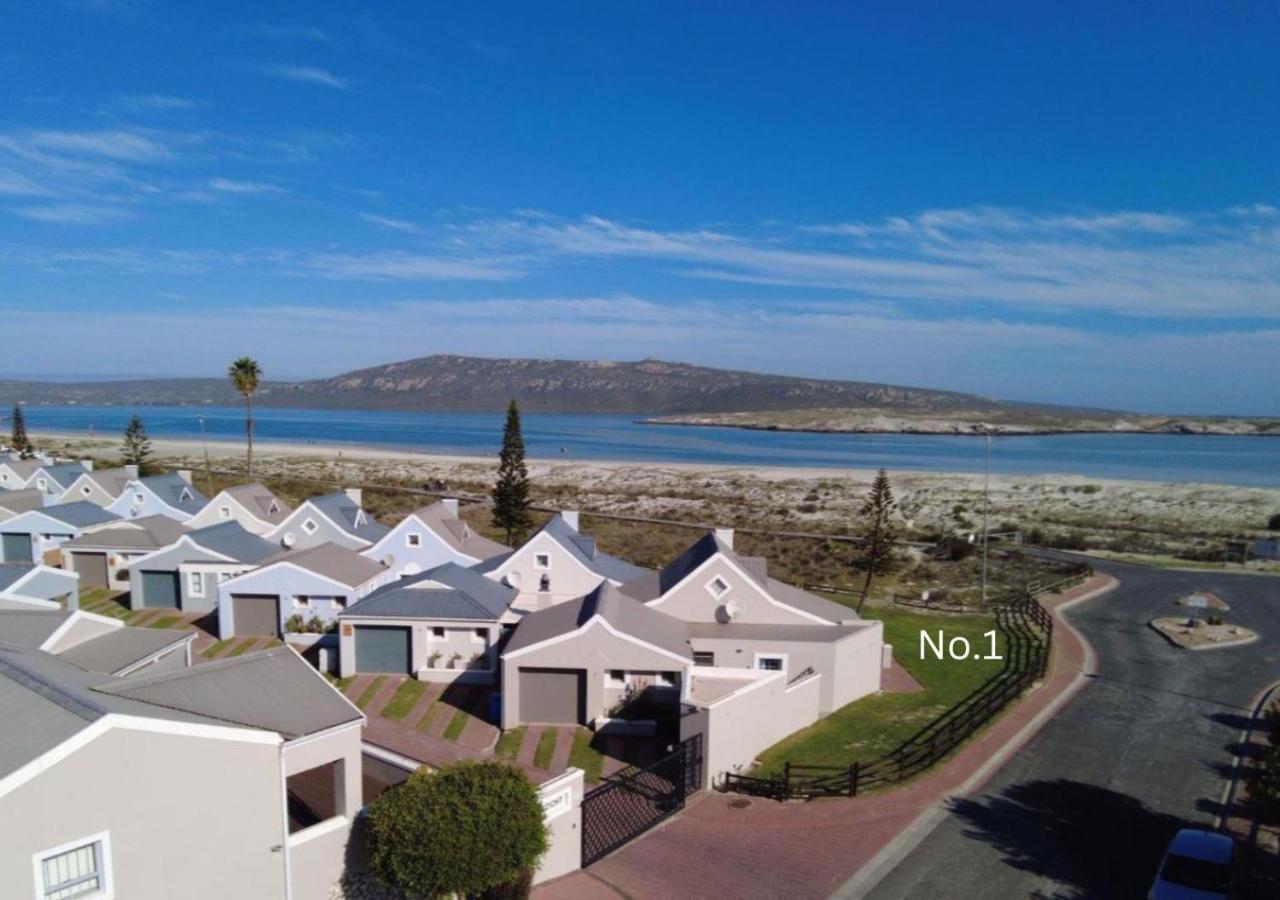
x=421 y=733
x=722 y=847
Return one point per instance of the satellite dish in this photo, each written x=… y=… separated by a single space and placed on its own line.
x=729 y=611
x=289 y=539
x=389 y=560
x=513 y=579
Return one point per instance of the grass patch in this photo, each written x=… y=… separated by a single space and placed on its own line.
x=404 y=699
x=242 y=647
x=343 y=683
x=216 y=647
x=546 y=748
x=164 y=622
x=509 y=743
x=453 y=730
x=433 y=711
x=585 y=757
x=874 y=725
x=368 y=693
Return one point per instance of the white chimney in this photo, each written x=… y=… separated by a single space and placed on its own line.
x=131 y=470
x=355 y=495
x=450 y=506
x=725 y=535
x=88 y=464
x=570 y=517
x=185 y=475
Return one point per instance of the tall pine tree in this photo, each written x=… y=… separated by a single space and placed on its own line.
x=511 y=491
x=136 y=447
x=19 y=438
x=875 y=555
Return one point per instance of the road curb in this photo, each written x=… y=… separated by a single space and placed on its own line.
x=893 y=853
x=1260 y=701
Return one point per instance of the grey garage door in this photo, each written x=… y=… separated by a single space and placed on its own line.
x=16 y=547
x=92 y=568
x=255 y=614
x=382 y=649
x=160 y=589
x=553 y=696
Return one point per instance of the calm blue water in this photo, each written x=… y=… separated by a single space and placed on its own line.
x=1227 y=460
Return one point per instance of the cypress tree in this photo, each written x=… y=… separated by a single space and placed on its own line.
x=511 y=490
x=19 y=438
x=136 y=447
x=875 y=556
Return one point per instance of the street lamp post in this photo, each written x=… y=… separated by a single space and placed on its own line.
x=986 y=507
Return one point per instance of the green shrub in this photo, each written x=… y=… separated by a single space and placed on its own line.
x=473 y=828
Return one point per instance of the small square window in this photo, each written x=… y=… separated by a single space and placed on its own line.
x=770 y=663
x=224 y=512
x=195 y=583
x=80 y=870
x=617 y=676
x=437 y=632
x=138 y=499
x=310 y=526
x=718 y=587
x=300 y=602
x=667 y=678
x=42 y=483
x=703 y=658
x=542 y=560
x=482 y=633
x=86 y=490
x=413 y=539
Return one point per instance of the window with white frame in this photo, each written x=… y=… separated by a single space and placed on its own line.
x=617 y=677
x=223 y=576
x=437 y=632
x=771 y=662
x=42 y=483
x=139 y=499
x=185 y=495
x=667 y=679
x=704 y=658
x=195 y=584
x=224 y=512
x=479 y=635
x=86 y=490
x=76 y=871
x=718 y=587
x=413 y=539
x=542 y=560
x=544 y=584
x=301 y=602
x=310 y=526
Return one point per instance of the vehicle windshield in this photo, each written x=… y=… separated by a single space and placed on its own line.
x=1196 y=873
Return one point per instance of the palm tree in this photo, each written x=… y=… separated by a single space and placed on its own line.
x=245 y=374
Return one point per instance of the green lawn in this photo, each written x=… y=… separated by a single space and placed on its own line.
x=164 y=622
x=877 y=724
x=404 y=699
x=453 y=730
x=341 y=683
x=586 y=757
x=429 y=716
x=509 y=743
x=368 y=694
x=103 y=603
x=546 y=748
x=242 y=647
x=216 y=647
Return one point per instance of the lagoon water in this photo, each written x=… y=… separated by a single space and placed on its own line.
x=1251 y=461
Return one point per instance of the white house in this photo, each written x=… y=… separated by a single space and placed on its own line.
x=102 y=557
x=30 y=536
x=186 y=573
x=100 y=486
x=336 y=518
x=170 y=495
x=37 y=587
x=432 y=536
x=256 y=509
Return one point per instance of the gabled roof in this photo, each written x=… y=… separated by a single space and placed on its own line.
x=23 y=468
x=62 y=474
x=79 y=514
x=620 y=612
x=457 y=534
x=146 y=533
x=231 y=539
x=448 y=591
x=112 y=481
x=654 y=585
x=175 y=491
x=347 y=515
x=120 y=648
x=260 y=502
x=331 y=561
x=276 y=690
x=31 y=627
x=21 y=501
x=580 y=547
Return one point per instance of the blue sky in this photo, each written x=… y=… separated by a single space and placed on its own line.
x=1074 y=204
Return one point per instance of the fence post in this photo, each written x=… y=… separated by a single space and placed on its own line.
x=853 y=780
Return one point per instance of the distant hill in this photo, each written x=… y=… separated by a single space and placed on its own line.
x=461 y=383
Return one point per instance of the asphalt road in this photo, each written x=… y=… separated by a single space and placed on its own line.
x=1087 y=806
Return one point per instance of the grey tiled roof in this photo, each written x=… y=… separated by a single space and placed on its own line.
x=584 y=549
x=21 y=501
x=30 y=627
x=63 y=474
x=448 y=591
x=457 y=534
x=79 y=513
x=339 y=563
x=344 y=512
x=260 y=502
x=231 y=539
x=113 y=481
x=171 y=489
x=146 y=533
x=818 y=634
x=276 y=690
x=122 y=647
x=621 y=612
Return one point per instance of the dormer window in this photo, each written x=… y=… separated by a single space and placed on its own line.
x=360 y=518
x=185 y=495
x=542 y=560
x=413 y=539
x=718 y=587
x=274 y=507
x=310 y=526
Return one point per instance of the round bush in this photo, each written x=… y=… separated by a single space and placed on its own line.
x=469 y=829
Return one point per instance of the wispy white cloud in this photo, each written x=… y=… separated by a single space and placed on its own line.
x=234 y=186
x=120 y=145
x=73 y=214
x=398 y=266
x=390 y=223
x=290 y=32
x=137 y=103
x=304 y=75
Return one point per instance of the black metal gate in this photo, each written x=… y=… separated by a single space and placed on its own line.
x=633 y=800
